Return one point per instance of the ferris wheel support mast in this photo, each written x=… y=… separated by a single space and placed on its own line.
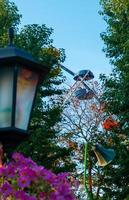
x=67 y=70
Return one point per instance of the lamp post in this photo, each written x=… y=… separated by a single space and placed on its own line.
x=20 y=75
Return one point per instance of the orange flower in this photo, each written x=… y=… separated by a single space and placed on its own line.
x=109 y=123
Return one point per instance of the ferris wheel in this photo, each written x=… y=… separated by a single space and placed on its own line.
x=84 y=88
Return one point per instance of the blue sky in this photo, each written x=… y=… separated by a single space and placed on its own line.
x=77 y=27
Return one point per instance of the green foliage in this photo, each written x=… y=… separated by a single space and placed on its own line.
x=40 y=35
x=116 y=96
x=9 y=16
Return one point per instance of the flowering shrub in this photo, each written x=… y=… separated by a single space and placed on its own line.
x=23 y=179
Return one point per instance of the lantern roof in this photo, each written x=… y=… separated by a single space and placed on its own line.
x=12 y=54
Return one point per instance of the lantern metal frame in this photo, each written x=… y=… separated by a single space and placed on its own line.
x=16 y=58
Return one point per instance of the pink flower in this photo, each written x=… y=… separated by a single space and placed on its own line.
x=6 y=189
x=23 y=179
x=18 y=157
x=23 y=182
x=28 y=173
x=20 y=195
x=42 y=196
x=31 y=198
x=48 y=176
x=10 y=171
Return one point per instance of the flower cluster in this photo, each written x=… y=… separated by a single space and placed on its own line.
x=23 y=179
x=109 y=124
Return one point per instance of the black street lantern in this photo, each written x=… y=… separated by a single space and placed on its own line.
x=20 y=75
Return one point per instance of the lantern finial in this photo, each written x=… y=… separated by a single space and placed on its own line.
x=11 y=36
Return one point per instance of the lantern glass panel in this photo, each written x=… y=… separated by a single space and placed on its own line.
x=26 y=88
x=6 y=96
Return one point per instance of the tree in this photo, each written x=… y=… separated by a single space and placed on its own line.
x=116 y=87
x=82 y=125
x=42 y=145
x=9 y=16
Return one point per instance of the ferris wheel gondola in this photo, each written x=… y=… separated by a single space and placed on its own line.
x=84 y=73
x=84 y=94
x=81 y=78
